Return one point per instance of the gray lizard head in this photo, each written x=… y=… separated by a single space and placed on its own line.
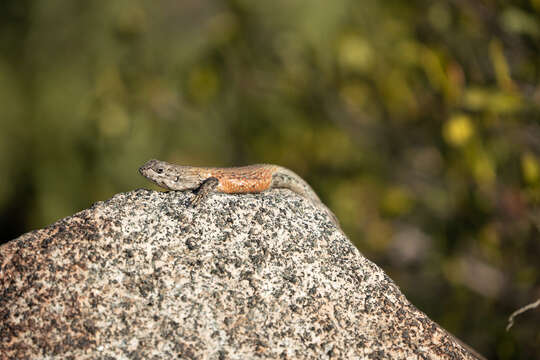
x=169 y=176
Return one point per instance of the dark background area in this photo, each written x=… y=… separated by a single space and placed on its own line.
x=417 y=122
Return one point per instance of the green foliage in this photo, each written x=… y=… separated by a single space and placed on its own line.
x=417 y=122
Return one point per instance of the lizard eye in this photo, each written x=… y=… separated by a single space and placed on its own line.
x=159 y=170
x=176 y=179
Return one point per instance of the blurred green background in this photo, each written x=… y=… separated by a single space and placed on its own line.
x=417 y=122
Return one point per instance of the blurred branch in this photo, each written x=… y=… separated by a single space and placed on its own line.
x=520 y=311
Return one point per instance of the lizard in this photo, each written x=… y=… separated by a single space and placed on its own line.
x=230 y=180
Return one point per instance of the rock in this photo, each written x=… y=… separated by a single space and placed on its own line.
x=143 y=275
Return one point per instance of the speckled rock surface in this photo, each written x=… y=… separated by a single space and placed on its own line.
x=143 y=276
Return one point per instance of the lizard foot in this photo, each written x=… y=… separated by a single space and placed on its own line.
x=202 y=192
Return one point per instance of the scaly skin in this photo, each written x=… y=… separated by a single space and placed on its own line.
x=234 y=180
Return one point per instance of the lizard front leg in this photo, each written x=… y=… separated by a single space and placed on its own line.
x=207 y=186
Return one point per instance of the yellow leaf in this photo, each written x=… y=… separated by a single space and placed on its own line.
x=458 y=130
x=530 y=168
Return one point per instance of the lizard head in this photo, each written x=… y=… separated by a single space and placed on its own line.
x=172 y=177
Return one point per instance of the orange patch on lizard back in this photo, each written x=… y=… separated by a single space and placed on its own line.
x=247 y=179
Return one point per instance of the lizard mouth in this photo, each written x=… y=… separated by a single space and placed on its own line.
x=143 y=170
x=148 y=173
x=147 y=167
